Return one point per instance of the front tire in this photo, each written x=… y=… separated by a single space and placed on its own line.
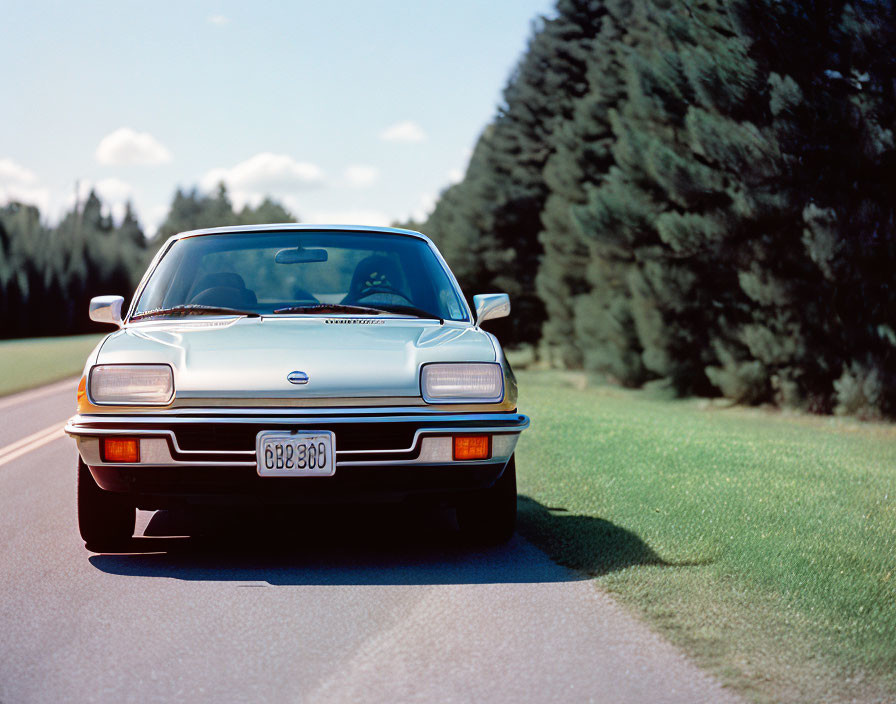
x=106 y=520
x=489 y=517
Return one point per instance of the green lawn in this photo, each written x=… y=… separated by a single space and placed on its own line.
x=40 y=360
x=763 y=544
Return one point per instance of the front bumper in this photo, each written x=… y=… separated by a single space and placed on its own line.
x=209 y=455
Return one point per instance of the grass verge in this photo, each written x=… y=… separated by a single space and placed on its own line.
x=762 y=544
x=41 y=360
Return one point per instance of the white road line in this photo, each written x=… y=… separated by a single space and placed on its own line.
x=29 y=439
x=32 y=442
x=26 y=396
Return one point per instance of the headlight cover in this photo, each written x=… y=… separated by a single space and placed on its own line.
x=474 y=382
x=131 y=384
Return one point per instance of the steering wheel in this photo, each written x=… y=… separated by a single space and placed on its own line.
x=303 y=296
x=381 y=288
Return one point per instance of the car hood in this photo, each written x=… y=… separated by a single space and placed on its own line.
x=251 y=357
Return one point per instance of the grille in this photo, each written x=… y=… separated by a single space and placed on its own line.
x=349 y=436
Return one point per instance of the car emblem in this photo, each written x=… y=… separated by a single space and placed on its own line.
x=297 y=378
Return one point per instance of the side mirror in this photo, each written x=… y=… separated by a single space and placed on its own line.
x=106 y=309
x=491 y=305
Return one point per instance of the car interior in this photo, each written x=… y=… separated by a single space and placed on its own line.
x=223 y=288
x=376 y=279
x=259 y=275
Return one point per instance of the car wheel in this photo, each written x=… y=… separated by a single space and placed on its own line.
x=106 y=520
x=489 y=517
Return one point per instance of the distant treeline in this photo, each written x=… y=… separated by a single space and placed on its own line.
x=48 y=274
x=699 y=194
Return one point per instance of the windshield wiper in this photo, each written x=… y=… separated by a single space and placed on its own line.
x=366 y=310
x=195 y=308
x=414 y=311
x=331 y=308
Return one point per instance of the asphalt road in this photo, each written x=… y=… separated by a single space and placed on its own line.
x=379 y=606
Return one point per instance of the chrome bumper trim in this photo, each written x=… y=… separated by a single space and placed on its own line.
x=156 y=450
x=342 y=415
x=297 y=411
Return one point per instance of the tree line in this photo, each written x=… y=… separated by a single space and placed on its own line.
x=696 y=194
x=48 y=274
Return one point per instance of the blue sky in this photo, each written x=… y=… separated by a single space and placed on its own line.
x=346 y=112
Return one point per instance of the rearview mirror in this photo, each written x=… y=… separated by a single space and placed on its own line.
x=491 y=305
x=106 y=309
x=300 y=255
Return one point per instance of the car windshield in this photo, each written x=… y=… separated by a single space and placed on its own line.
x=310 y=273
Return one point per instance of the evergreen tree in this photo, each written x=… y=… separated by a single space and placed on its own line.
x=49 y=274
x=193 y=210
x=713 y=200
x=831 y=91
x=488 y=225
x=129 y=230
x=581 y=161
x=268 y=211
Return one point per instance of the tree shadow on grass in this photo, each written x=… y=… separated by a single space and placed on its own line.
x=585 y=543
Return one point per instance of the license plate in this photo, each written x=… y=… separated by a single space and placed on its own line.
x=307 y=453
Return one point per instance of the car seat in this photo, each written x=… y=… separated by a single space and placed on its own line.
x=375 y=275
x=223 y=288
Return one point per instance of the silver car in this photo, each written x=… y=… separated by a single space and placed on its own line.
x=296 y=364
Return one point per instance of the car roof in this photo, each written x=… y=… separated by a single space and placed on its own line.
x=292 y=226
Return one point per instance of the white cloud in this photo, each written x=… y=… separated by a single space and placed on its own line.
x=20 y=184
x=82 y=190
x=108 y=189
x=350 y=217
x=265 y=174
x=113 y=189
x=13 y=173
x=125 y=147
x=218 y=20
x=361 y=175
x=424 y=207
x=406 y=131
x=24 y=194
x=114 y=194
x=457 y=175
x=292 y=204
x=153 y=217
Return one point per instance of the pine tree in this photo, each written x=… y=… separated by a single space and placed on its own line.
x=581 y=159
x=49 y=274
x=129 y=231
x=489 y=223
x=268 y=211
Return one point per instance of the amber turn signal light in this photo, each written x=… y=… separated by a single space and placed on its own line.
x=472 y=447
x=121 y=450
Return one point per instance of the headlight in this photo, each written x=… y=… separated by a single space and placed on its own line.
x=132 y=384
x=462 y=383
